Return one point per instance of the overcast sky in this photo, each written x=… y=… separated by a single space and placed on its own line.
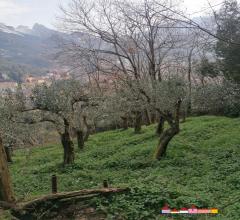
x=28 y=12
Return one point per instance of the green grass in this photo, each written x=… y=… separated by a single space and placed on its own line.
x=202 y=167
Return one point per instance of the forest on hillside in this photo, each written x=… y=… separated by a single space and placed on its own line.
x=13 y=72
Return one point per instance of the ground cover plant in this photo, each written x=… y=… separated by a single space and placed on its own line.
x=202 y=167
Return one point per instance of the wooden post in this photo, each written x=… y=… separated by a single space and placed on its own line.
x=54 y=184
x=105 y=183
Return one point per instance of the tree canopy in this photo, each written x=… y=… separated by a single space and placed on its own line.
x=228 y=27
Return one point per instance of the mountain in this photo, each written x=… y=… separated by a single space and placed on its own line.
x=9 y=29
x=32 y=47
x=28 y=46
x=24 y=29
x=41 y=31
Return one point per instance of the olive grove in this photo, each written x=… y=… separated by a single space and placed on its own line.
x=135 y=64
x=138 y=46
x=61 y=103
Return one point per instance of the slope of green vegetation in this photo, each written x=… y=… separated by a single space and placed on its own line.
x=202 y=167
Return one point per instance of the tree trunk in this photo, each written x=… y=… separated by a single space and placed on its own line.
x=138 y=123
x=68 y=146
x=165 y=138
x=125 y=123
x=80 y=139
x=147 y=117
x=86 y=136
x=160 y=126
x=167 y=135
x=8 y=154
x=6 y=190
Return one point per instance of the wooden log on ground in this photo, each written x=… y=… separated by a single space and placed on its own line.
x=60 y=201
x=59 y=196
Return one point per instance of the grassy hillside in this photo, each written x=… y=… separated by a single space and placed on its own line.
x=202 y=167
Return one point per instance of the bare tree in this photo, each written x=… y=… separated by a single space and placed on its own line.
x=139 y=43
x=59 y=104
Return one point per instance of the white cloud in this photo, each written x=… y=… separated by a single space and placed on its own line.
x=11 y=8
x=11 y=11
x=28 y=12
x=200 y=5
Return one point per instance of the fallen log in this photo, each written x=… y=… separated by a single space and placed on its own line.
x=60 y=201
x=74 y=194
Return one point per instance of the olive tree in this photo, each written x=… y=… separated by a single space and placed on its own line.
x=58 y=103
x=123 y=108
x=138 y=44
x=12 y=134
x=220 y=98
x=6 y=189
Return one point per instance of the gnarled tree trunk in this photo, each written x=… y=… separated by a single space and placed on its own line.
x=80 y=139
x=138 y=122
x=88 y=127
x=6 y=190
x=167 y=135
x=160 y=126
x=165 y=138
x=68 y=146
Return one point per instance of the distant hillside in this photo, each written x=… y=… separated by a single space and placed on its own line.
x=27 y=48
x=11 y=71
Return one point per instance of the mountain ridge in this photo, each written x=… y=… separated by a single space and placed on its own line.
x=23 y=46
